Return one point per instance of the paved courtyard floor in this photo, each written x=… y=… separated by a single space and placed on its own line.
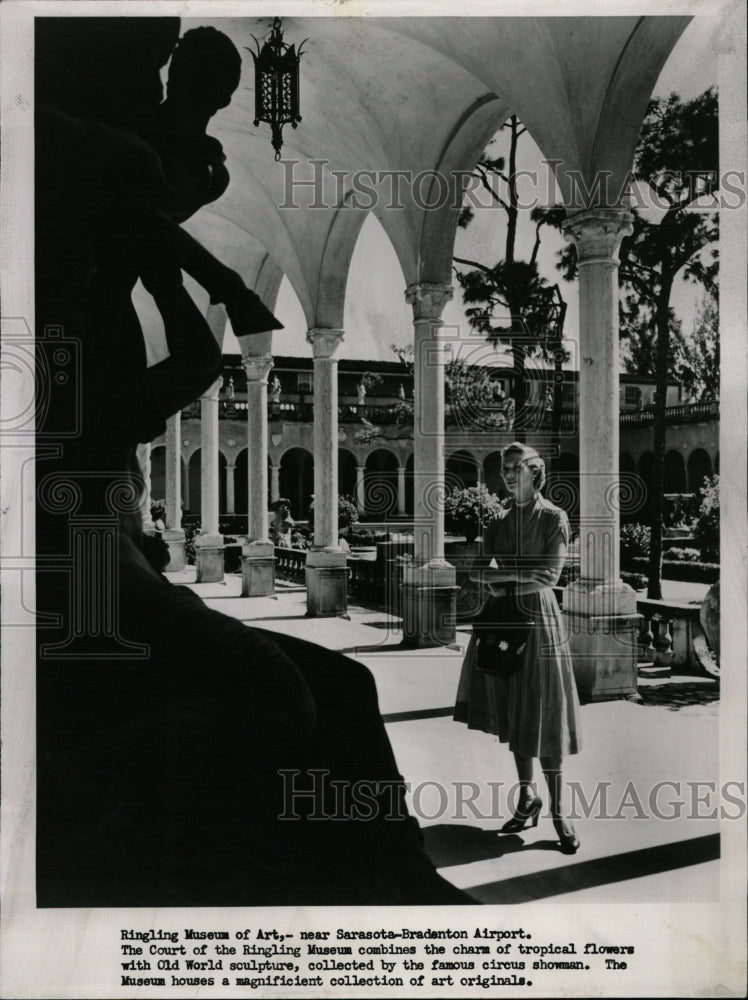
x=640 y=764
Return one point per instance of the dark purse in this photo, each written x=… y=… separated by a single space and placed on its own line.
x=501 y=632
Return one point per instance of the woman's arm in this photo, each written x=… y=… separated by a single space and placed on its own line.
x=529 y=579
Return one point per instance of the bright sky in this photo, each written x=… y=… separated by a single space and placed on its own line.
x=376 y=314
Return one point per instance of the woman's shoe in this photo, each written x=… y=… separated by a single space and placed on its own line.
x=524 y=816
x=567 y=835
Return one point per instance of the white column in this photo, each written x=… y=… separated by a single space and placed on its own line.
x=325 y=343
x=174 y=471
x=143 y=453
x=326 y=564
x=428 y=301
x=597 y=234
x=230 y=488
x=361 y=488
x=257 y=369
x=401 y=489
x=274 y=483
x=209 y=468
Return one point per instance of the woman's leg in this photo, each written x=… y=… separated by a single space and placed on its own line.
x=525 y=775
x=554 y=779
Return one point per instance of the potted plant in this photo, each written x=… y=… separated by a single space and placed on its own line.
x=466 y=510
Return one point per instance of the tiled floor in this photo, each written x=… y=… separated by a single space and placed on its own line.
x=643 y=761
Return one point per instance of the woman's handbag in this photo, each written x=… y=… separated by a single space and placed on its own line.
x=502 y=631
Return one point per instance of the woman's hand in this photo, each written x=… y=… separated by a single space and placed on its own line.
x=542 y=574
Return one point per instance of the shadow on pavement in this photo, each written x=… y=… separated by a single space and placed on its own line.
x=596 y=872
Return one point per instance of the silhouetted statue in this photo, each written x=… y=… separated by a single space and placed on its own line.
x=165 y=728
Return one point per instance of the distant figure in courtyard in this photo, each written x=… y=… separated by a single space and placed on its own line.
x=275 y=390
x=282 y=524
x=535 y=709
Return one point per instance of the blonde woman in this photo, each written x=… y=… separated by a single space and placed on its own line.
x=535 y=709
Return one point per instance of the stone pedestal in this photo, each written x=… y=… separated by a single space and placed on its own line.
x=326 y=583
x=209 y=553
x=603 y=628
x=429 y=599
x=258 y=569
x=174 y=538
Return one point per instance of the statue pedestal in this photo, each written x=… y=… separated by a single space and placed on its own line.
x=174 y=538
x=603 y=628
x=429 y=604
x=209 y=551
x=258 y=569
x=326 y=583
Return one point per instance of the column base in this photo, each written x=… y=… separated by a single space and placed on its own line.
x=209 y=552
x=258 y=569
x=429 y=600
x=174 y=538
x=603 y=627
x=326 y=583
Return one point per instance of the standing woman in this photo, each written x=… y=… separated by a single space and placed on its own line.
x=536 y=709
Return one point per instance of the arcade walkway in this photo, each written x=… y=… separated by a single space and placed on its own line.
x=671 y=736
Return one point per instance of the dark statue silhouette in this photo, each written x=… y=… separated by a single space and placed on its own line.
x=164 y=728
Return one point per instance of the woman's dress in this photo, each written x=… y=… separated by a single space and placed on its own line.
x=536 y=709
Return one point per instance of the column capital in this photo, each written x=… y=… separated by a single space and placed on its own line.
x=257 y=367
x=597 y=233
x=324 y=340
x=428 y=299
x=211 y=394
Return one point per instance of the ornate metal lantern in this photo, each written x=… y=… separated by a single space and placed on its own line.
x=276 y=84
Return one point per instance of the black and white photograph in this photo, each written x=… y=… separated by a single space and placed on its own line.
x=373 y=490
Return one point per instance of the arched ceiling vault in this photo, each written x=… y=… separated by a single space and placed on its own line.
x=414 y=95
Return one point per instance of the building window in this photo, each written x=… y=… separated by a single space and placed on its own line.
x=304 y=382
x=569 y=392
x=633 y=395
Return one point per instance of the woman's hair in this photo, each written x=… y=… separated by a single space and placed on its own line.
x=530 y=458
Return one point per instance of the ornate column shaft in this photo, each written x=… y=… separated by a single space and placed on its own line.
x=143 y=453
x=257 y=369
x=401 y=505
x=209 y=466
x=174 y=535
x=428 y=301
x=209 y=548
x=326 y=565
x=597 y=234
x=325 y=343
x=274 y=483
x=230 y=469
x=173 y=488
x=429 y=584
x=599 y=608
x=361 y=488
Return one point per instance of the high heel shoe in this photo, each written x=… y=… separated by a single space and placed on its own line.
x=523 y=816
x=567 y=835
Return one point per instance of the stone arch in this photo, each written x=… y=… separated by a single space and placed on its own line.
x=563 y=486
x=462 y=469
x=380 y=483
x=410 y=484
x=347 y=464
x=626 y=462
x=297 y=480
x=675 y=472
x=194 y=506
x=492 y=473
x=699 y=469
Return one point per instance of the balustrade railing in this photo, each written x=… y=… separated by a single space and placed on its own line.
x=686 y=413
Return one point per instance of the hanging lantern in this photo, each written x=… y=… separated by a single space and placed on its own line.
x=276 y=84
